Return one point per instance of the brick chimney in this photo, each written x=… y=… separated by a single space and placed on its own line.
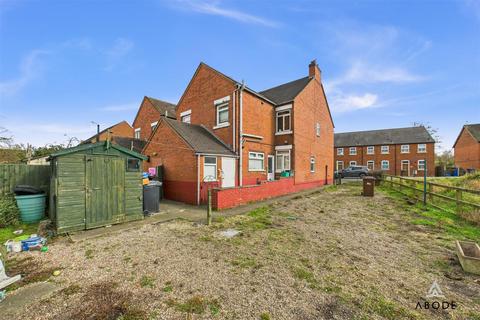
x=314 y=71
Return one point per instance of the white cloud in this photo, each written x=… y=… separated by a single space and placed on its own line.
x=346 y=103
x=121 y=107
x=29 y=69
x=120 y=49
x=212 y=8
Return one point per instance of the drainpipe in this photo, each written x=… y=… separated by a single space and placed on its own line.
x=240 y=142
x=233 y=119
x=198 y=180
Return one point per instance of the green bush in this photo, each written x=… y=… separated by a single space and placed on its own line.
x=8 y=211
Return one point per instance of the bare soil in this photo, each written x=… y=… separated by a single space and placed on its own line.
x=328 y=255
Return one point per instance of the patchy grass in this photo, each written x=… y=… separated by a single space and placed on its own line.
x=258 y=219
x=31 y=271
x=385 y=308
x=147 y=282
x=196 y=305
x=89 y=253
x=265 y=316
x=6 y=233
x=168 y=287
x=71 y=290
x=245 y=262
x=306 y=275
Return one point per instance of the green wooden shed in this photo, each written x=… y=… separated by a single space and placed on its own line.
x=94 y=185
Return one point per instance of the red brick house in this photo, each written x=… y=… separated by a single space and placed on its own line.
x=120 y=133
x=402 y=151
x=283 y=131
x=148 y=114
x=467 y=148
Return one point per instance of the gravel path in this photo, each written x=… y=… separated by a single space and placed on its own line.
x=328 y=255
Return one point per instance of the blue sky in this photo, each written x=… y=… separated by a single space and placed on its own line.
x=384 y=64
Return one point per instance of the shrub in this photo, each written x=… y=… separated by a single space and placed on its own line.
x=8 y=211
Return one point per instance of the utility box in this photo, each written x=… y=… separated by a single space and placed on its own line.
x=368 y=186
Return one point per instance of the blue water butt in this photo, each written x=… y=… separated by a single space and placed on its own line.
x=32 y=207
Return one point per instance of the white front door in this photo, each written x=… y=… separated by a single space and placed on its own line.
x=228 y=172
x=271 y=168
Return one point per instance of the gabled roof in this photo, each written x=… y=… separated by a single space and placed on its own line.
x=473 y=129
x=383 y=137
x=105 y=130
x=130 y=143
x=82 y=147
x=199 y=138
x=163 y=107
x=286 y=92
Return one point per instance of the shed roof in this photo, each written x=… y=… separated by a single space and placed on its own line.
x=83 y=147
x=383 y=136
x=286 y=92
x=199 y=138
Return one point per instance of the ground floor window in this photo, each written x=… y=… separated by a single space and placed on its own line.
x=210 y=169
x=283 y=160
x=385 y=165
x=256 y=161
x=353 y=163
x=371 y=165
x=312 y=164
x=339 y=165
x=421 y=165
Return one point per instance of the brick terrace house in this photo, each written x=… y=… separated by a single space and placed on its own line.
x=467 y=148
x=401 y=151
x=283 y=131
x=120 y=133
x=148 y=115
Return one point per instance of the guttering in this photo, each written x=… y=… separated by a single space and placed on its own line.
x=198 y=179
x=216 y=155
x=240 y=142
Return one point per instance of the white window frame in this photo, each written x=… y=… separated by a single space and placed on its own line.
x=256 y=156
x=282 y=109
x=222 y=107
x=317 y=129
x=137 y=134
x=205 y=164
x=405 y=148
x=280 y=165
x=371 y=150
x=339 y=151
x=186 y=114
x=422 y=167
x=340 y=161
x=352 y=163
x=385 y=149
x=153 y=125
x=373 y=164
x=312 y=164
x=354 y=149
x=423 y=149
x=388 y=165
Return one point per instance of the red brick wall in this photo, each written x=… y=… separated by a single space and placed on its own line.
x=394 y=157
x=467 y=152
x=310 y=107
x=122 y=129
x=147 y=114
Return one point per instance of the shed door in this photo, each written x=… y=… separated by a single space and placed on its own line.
x=105 y=196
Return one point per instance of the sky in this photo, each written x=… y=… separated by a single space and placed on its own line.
x=65 y=65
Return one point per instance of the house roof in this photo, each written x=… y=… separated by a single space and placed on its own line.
x=82 y=147
x=130 y=143
x=163 y=107
x=199 y=138
x=105 y=130
x=384 y=136
x=473 y=129
x=286 y=92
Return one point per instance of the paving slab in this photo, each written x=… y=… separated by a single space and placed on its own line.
x=25 y=296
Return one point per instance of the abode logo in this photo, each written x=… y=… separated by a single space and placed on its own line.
x=438 y=299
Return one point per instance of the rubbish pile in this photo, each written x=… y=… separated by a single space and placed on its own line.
x=26 y=243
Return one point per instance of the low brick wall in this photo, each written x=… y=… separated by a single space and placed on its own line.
x=232 y=197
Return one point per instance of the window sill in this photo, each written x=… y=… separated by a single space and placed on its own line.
x=256 y=170
x=385 y=153
x=283 y=132
x=422 y=152
x=404 y=152
x=223 y=125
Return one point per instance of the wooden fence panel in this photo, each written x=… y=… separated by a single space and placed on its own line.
x=12 y=175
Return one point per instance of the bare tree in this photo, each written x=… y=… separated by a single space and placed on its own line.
x=433 y=131
x=5 y=140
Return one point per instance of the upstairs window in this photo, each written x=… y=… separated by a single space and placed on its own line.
x=353 y=151
x=385 y=149
x=186 y=116
x=317 y=129
x=312 y=164
x=255 y=161
x=283 y=121
x=222 y=115
x=137 y=133
x=422 y=148
x=405 y=148
x=210 y=169
x=339 y=151
x=370 y=150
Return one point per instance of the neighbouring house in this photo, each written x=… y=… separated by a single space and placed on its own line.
x=467 y=148
x=121 y=129
x=148 y=115
x=279 y=140
x=402 y=151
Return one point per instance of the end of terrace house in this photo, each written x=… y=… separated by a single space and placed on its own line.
x=247 y=144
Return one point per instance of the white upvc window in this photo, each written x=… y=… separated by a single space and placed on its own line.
x=339 y=165
x=210 y=169
x=339 y=151
x=371 y=165
x=283 y=122
x=353 y=151
x=405 y=148
x=385 y=165
x=153 y=125
x=186 y=116
x=312 y=164
x=317 y=129
x=137 y=133
x=256 y=161
x=283 y=160
x=422 y=148
x=222 y=115
x=421 y=165
x=353 y=163
x=370 y=150
x=385 y=149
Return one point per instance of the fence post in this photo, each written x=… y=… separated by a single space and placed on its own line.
x=458 y=197
x=209 y=208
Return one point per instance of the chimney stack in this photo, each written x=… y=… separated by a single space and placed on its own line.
x=314 y=71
